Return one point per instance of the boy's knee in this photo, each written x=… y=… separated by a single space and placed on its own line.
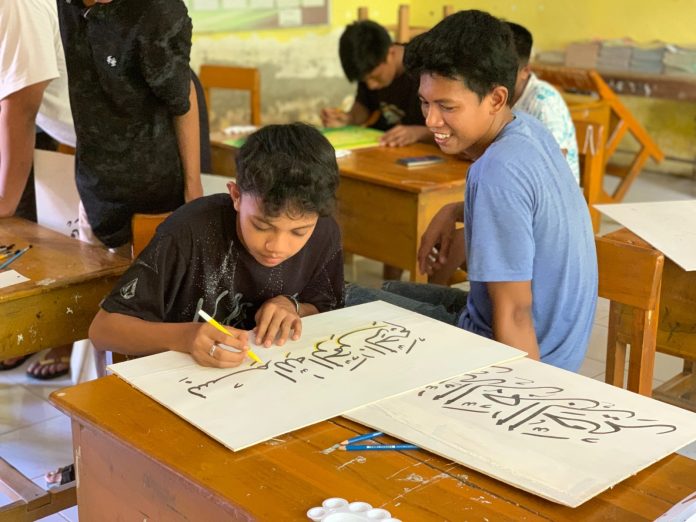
x=356 y=294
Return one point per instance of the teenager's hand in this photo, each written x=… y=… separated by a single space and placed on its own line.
x=402 y=135
x=437 y=238
x=274 y=321
x=201 y=338
x=334 y=118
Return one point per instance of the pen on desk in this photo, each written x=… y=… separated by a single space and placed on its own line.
x=217 y=325
x=360 y=438
x=8 y=254
x=378 y=447
x=15 y=256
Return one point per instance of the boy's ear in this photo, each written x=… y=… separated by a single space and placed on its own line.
x=235 y=194
x=498 y=98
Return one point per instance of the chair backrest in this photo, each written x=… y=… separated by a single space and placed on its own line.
x=629 y=274
x=144 y=227
x=235 y=78
x=403 y=32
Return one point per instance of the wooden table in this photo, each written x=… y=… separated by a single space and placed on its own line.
x=676 y=329
x=68 y=280
x=136 y=460
x=383 y=207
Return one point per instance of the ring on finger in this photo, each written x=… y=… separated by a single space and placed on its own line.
x=211 y=352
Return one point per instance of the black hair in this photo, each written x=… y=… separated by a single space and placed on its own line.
x=363 y=46
x=523 y=42
x=291 y=168
x=471 y=46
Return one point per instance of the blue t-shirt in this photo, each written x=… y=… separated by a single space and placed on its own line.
x=525 y=219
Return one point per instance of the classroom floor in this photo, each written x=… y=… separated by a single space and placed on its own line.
x=35 y=437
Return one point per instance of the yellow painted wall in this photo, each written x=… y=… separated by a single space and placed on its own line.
x=301 y=72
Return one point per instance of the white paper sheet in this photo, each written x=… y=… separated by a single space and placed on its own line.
x=548 y=431
x=346 y=358
x=669 y=226
x=11 y=277
x=57 y=200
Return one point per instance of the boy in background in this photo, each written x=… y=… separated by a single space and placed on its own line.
x=260 y=258
x=542 y=100
x=387 y=99
x=529 y=245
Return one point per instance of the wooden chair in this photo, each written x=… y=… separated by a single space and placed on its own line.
x=144 y=227
x=235 y=78
x=622 y=122
x=403 y=32
x=591 y=121
x=630 y=276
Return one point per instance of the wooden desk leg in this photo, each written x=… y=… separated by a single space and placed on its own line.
x=642 y=356
x=616 y=350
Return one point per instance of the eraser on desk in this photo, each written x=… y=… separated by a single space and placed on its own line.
x=340 y=510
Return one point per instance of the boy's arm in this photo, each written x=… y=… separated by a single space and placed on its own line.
x=134 y=336
x=357 y=115
x=188 y=138
x=17 y=136
x=279 y=316
x=513 y=323
x=402 y=135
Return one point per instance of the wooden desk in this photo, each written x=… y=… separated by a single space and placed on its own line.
x=68 y=280
x=676 y=329
x=383 y=207
x=136 y=460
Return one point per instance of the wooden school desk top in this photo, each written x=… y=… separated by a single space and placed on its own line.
x=379 y=166
x=68 y=280
x=138 y=460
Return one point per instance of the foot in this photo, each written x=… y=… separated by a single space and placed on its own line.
x=11 y=364
x=53 y=364
x=60 y=476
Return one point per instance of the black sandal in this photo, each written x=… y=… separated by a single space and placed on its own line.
x=18 y=362
x=61 y=476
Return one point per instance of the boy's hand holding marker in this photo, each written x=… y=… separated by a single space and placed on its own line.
x=206 y=349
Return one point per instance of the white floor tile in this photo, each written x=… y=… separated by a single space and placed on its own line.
x=602 y=312
x=70 y=514
x=40 y=447
x=667 y=366
x=592 y=367
x=20 y=408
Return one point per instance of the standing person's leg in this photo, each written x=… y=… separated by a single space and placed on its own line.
x=438 y=302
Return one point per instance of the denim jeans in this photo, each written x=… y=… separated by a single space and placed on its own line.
x=438 y=302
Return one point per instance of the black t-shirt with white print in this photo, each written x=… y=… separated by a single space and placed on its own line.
x=196 y=261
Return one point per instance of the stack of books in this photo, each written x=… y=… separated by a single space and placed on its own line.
x=647 y=58
x=680 y=60
x=614 y=55
x=582 y=54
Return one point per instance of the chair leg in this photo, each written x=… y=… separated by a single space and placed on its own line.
x=642 y=356
x=616 y=350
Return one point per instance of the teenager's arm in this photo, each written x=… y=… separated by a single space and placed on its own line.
x=357 y=115
x=134 y=336
x=17 y=138
x=437 y=238
x=188 y=137
x=402 y=135
x=513 y=323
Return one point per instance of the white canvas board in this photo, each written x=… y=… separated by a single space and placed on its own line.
x=11 y=277
x=669 y=226
x=57 y=200
x=346 y=358
x=545 y=430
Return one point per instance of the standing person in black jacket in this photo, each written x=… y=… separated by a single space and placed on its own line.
x=135 y=111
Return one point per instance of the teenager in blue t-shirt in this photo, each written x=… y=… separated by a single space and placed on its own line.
x=529 y=245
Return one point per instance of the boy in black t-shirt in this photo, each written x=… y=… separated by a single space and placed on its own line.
x=259 y=258
x=387 y=98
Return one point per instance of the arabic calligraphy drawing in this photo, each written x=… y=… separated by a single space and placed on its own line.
x=347 y=351
x=539 y=411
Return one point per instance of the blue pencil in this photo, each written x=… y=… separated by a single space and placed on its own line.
x=7 y=263
x=359 y=438
x=379 y=447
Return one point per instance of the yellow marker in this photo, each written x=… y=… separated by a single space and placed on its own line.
x=224 y=330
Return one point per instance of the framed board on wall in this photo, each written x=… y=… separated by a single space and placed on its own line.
x=214 y=16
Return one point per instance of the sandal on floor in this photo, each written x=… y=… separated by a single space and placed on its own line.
x=63 y=363
x=18 y=362
x=60 y=476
